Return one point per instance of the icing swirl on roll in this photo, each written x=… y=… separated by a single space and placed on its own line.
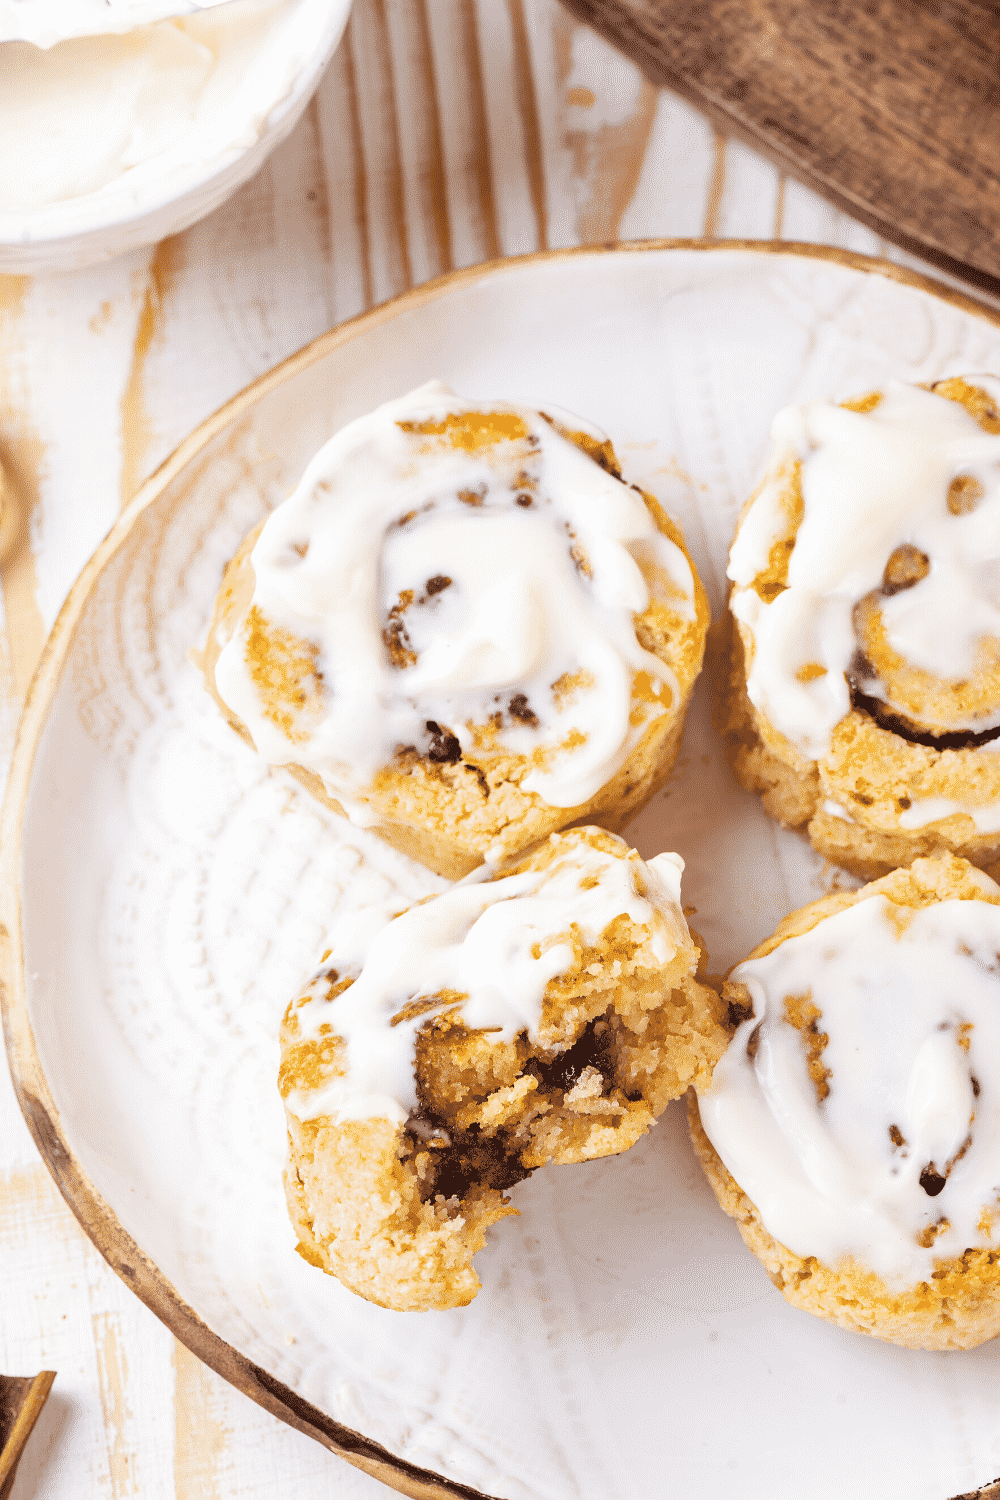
x=486 y=950
x=858 y=1107
x=462 y=579
x=891 y=597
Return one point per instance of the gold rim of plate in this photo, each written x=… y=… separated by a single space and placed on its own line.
x=96 y=1217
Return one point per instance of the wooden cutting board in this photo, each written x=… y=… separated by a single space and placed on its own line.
x=889 y=108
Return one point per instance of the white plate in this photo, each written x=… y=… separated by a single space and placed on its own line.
x=173 y=893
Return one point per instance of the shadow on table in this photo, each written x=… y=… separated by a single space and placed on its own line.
x=43 y=1451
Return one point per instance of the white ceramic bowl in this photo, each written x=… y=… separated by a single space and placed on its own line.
x=144 y=205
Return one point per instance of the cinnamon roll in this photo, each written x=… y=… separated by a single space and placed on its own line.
x=545 y=1014
x=862 y=695
x=464 y=630
x=852 y=1129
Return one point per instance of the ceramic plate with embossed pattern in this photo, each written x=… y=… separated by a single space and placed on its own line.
x=165 y=894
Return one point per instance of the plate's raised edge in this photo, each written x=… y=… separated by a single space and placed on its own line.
x=96 y=1216
x=135 y=1268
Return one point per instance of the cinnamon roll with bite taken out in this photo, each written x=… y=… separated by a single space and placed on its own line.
x=547 y=1013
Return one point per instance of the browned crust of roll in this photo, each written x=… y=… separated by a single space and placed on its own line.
x=870 y=772
x=958 y=1305
x=397 y=1213
x=448 y=815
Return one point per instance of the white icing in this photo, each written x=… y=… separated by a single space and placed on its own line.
x=834 y=810
x=94 y=111
x=870 y=483
x=477 y=939
x=751 y=549
x=931 y=809
x=44 y=23
x=896 y=1007
x=516 y=616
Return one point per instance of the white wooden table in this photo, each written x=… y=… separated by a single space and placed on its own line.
x=446 y=132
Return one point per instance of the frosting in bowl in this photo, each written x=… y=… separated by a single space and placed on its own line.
x=45 y=23
x=96 y=115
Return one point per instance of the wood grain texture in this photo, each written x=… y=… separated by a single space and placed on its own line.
x=440 y=130
x=887 y=108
